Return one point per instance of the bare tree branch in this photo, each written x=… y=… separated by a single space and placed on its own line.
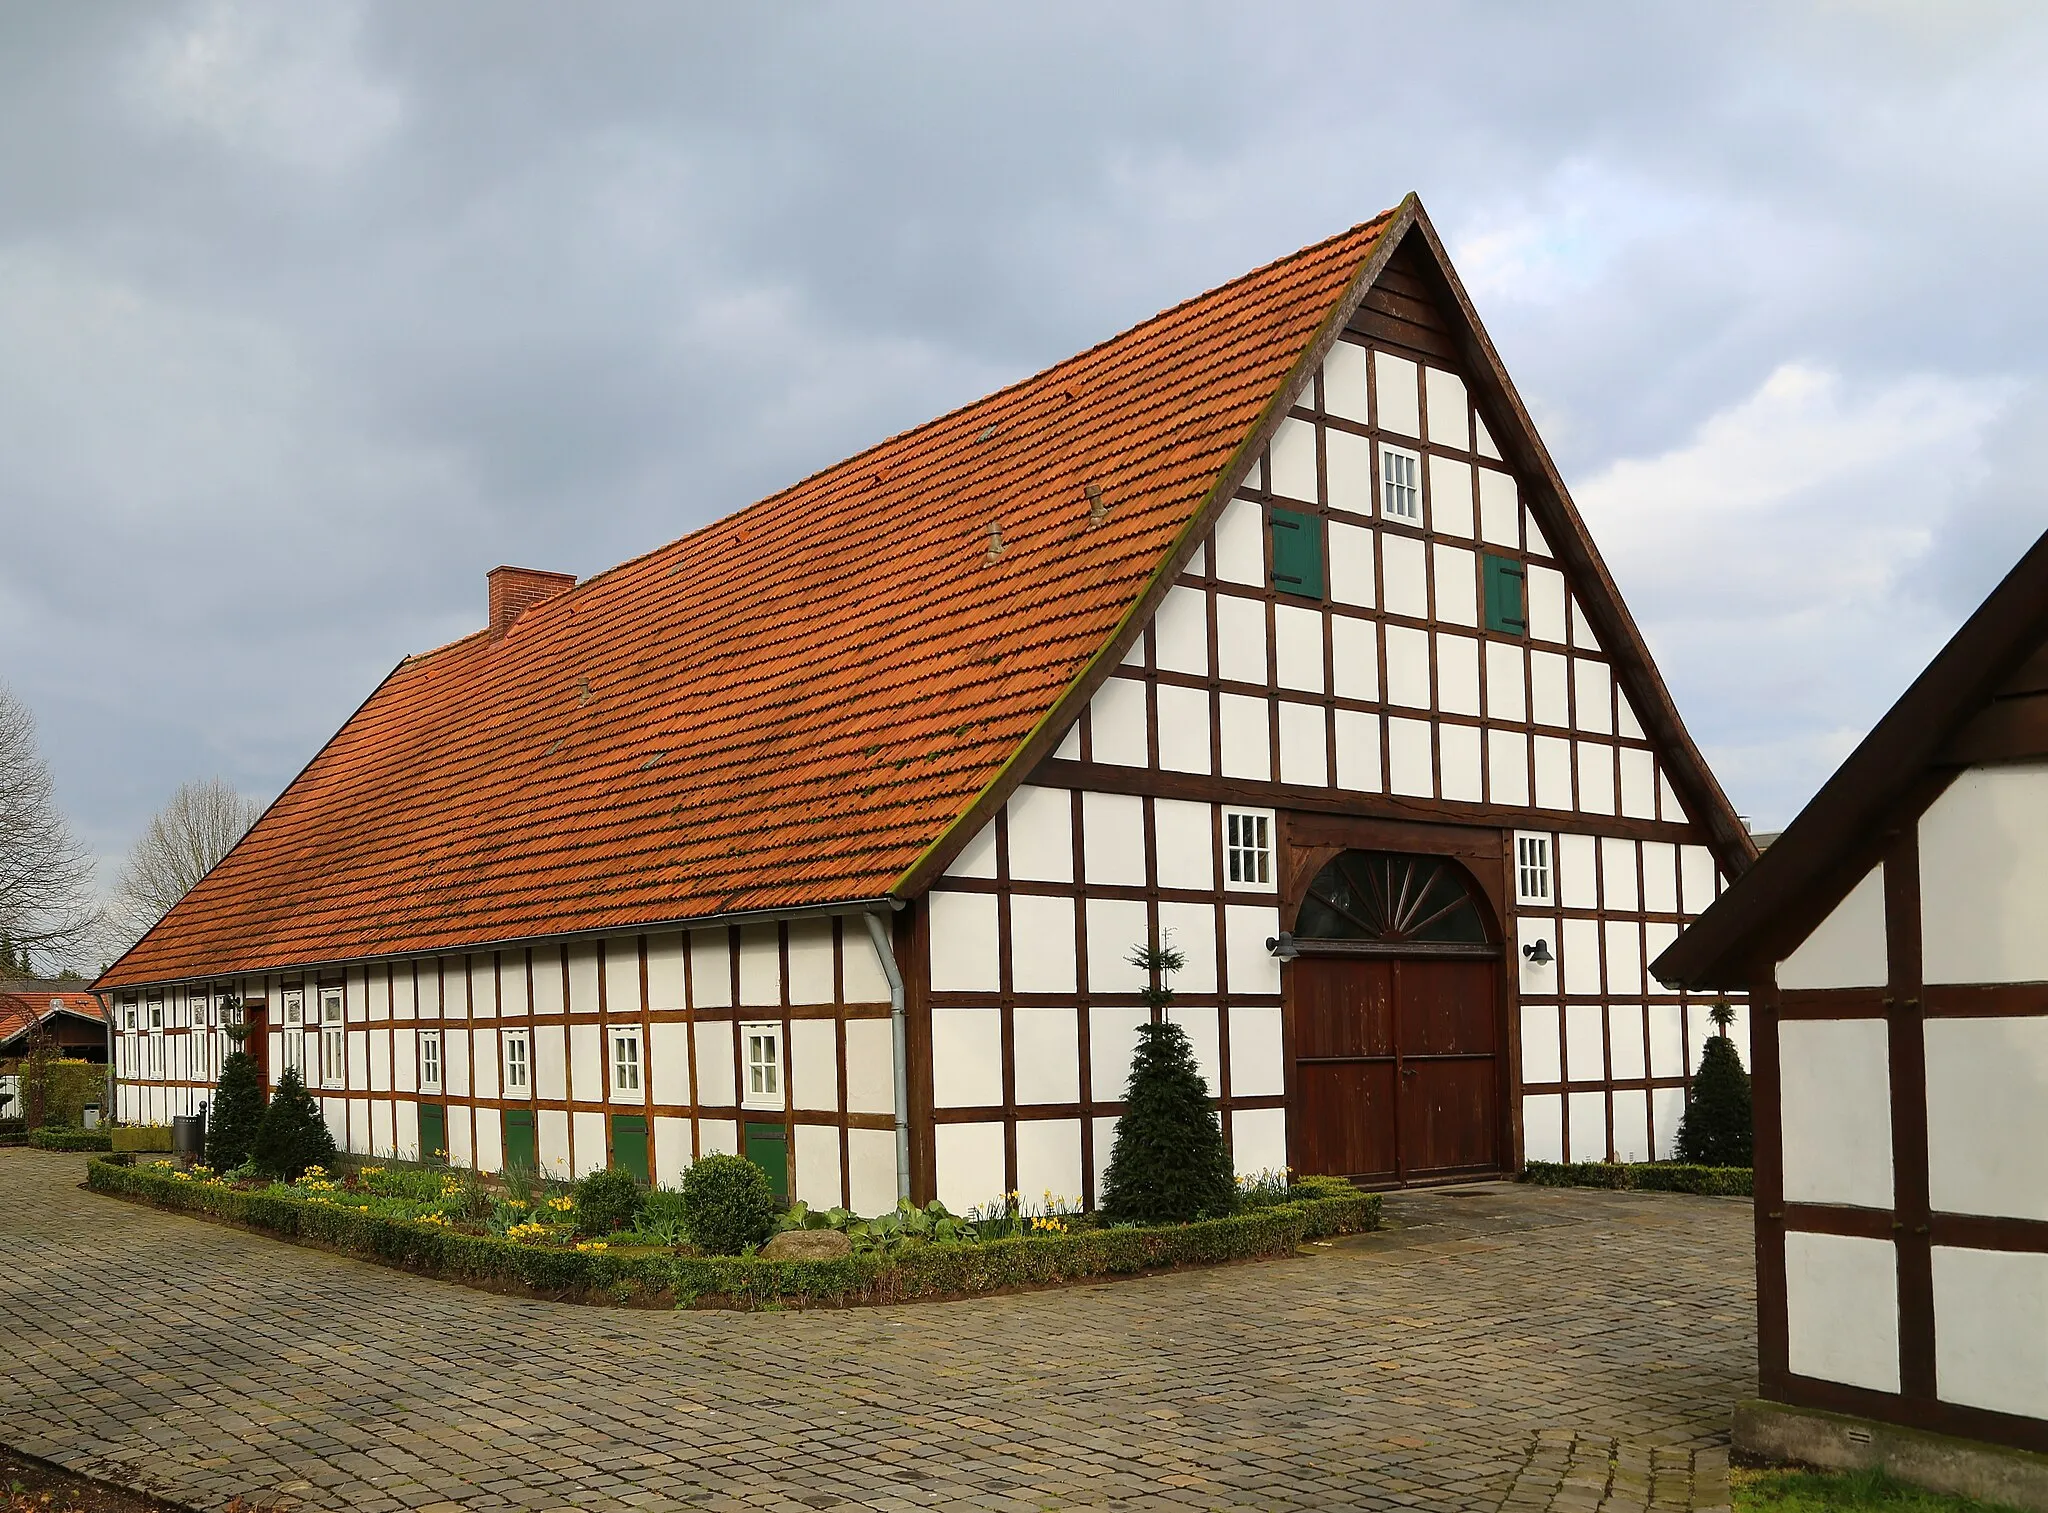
x=45 y=875
x=185 y=841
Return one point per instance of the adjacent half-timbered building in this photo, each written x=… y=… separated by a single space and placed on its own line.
x=824 y=833
x=1893 y=943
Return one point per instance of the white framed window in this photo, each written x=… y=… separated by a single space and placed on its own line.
x=295 y=1031
x=1400 y=484
x=430 y=1061
x=156 y=1016
x=333 y=1064
x=1532 y=869
x=626 y=1064
x=1248 y=848
x=761 y=1053
x=518 y=1075
x=128 y=1015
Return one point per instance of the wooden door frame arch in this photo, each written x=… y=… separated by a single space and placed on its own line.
x=1312 y=862
x=1308 y=842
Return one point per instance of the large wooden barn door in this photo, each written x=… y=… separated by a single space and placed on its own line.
x=1396 y=1024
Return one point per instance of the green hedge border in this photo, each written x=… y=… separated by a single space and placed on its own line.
x=1644 y=1177
x=63 y=1138
x=939 y=1270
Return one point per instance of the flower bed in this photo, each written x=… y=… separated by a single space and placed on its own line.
x=539 y=1252
x=1643 y=1176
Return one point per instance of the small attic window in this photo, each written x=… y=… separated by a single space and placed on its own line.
x=1400 y=484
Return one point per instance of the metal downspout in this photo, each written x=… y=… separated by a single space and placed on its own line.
x=899 y=1027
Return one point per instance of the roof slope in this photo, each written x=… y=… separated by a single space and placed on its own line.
x=25 y=1006
x=789 y=707
x=1983 y=697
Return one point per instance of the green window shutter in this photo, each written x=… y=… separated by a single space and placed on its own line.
x=629 y=1144
x=1506 y=604
x=521 y=1150
x=767 y=1146
x=1297 y=554
x=433 y=1132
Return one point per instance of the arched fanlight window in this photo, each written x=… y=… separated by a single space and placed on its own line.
x=1383 y=899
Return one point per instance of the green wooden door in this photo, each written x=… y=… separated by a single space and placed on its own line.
x=433 y=1132
x=629 y=1144
x=522 y=1151
x=768 y=1148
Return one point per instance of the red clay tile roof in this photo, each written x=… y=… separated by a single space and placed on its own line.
x=785 y=708
x=17 y=1008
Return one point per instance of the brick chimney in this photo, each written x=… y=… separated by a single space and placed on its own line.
x=513 y=589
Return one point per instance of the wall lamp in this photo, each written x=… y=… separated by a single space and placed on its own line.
x=1539 y=954
x=1283 y=946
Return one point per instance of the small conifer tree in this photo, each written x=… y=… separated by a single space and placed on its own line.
x=1169 y=1164
x=237 y=1108
x=1717 y=1130
x=291 y=1135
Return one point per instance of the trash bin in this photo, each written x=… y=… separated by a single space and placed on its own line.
x=91 y=1117
x=188 y=1136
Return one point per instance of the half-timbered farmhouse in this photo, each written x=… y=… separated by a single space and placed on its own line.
x=1894 y=946
x=823 y=834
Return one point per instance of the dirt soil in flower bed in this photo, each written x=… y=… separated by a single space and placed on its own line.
x=671 y=1278
x=29 y=1485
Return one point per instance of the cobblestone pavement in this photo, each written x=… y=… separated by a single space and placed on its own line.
x=1504 y=1347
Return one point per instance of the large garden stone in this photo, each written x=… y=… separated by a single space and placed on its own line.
x=807 y=1245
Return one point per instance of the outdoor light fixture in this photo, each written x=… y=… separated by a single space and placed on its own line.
x=1539 y=954
x=1283 y=946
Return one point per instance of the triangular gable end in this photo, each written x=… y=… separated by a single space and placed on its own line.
x=1409 y=297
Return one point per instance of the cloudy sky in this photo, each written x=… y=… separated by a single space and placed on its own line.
x=310 y=315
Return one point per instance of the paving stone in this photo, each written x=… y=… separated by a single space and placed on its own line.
x=1504 y=1347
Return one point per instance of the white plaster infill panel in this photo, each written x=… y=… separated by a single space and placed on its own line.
x=1847 y=949
x=1842 y=1309
x=1991 y=1330
x=1987 y=1116
x=1835 y=1109
x=1984 y=877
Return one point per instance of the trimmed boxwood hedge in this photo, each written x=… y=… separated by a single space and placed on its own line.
x=940 y=1269
x=52 y=1137
x=1643 y=1176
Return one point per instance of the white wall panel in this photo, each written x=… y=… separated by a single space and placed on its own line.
x=1113 y=839
x=668 y=1062
x=591 y=1155
x=1298 y=648
x=1546 y=604
x=665 y=988
x=490 y=1143
x=1256 y=1066
x=1842 y=1309
x=1291 y=462
x=1553 y=772
x=814 y=1065
x=550 y=1062
x=1398 y=388
x=1542 y=1047
x=870 y=1066
x=1450 y=501
x=1578 y=878
x=405 y=1132
x=1500 y=511
x=1347 y=465
x=381 y=1144
x=1596 y=777
x=1258 y=1141
x=1242 y=653
x=1450 y=415
x=1631 y=1133
x=863 y=980
x=1041 y=835
x=1582 y=629
x=1111 y=1036
x=1183 y=728
x=1116 y=723
x=671 y=1150
x=714 y=1044
x=1410 y=767
x=1507 y=767
x=1638 y=783
x=718 y=1137
x=1457 y=585
x=583 y=978
x=1984 y=877
x=1304 y=745
x=1624 y=940
x=1184 y=834
x=871 y=1171
x=1543 y=1127
x=1847 y=949
x=586 y=1063
x=1592 y=696
x=1547 y=700
x=1667 y=1112
x=810 y=961
x=1404 y=576
x=1537 y=981
x=461 y=1148
x=1046 y=1042
x=1049 y=1160
x=1246 y=742
x=969 y=1158
x=1041 y=944
x=1991 y=1330
x=1354 y=657
x=1180 y=632
x=1408 y=667
x=1115 y=927
x=1585 y=1056
x=1240 y=544
x=1696 y=878
x=1458 y=763
x=760 y=966
x=1835 y=1111
x=964 y=945
x=817 y=1166
x=621 y=975
x=1587 y=1115
x=1249 y=966
x=1627 y=1055
x=1457 y=674
x=976 y=859
x=710 y=969
x=1344 y=389
x=1358 y=752
x=1352 y=577
x=1987 y=1116
x=1192 y=929
x=1203 y=1027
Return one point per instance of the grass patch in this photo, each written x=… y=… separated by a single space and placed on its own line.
x=1782 y=1491
x=445 y=1224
